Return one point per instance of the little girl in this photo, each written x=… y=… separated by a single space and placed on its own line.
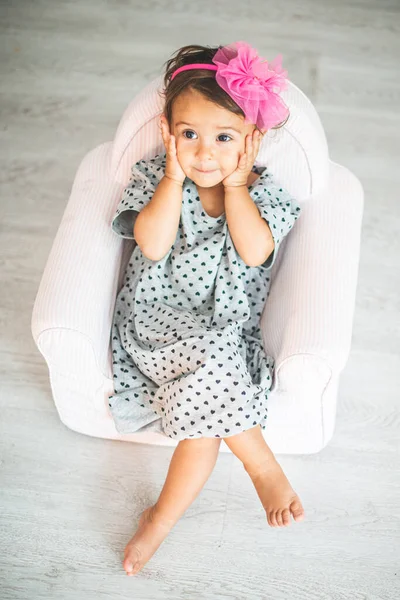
x=188 y=355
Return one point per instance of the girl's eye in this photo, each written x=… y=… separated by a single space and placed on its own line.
x=191 y=138
x=187 y=131
x=225 y=135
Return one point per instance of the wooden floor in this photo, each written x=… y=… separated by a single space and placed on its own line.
x=69 y=503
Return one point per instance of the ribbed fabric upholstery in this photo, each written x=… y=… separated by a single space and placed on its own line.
x=308 y=315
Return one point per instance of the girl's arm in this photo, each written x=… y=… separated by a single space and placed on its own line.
x=157 y=223
x=249 y=231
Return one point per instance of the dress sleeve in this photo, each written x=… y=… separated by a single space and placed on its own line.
x=279 y=209
x=145 y=177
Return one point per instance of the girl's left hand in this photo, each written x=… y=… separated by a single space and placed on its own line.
x=240 y=176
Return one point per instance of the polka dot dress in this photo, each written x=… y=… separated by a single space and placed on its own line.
x=188 y=357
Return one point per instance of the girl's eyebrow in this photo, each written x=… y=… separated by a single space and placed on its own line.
x=227 y=127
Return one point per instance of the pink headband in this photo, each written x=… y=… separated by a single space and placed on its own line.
x=250 y=82
x=194 y=66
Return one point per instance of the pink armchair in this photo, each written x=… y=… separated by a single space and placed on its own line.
x=307 y=320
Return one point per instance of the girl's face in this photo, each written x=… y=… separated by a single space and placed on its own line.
x=208 y=138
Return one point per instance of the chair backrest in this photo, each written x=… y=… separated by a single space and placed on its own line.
x=297 y=153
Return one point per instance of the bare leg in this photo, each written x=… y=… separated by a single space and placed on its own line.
x=191 y=465
x=274 y=490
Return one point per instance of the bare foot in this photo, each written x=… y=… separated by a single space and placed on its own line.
x=150 y=534
x=276 y=495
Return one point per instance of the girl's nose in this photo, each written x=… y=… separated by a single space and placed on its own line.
x=205 y=153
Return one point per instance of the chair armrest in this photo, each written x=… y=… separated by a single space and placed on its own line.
x=310 y=308
x=78 y=288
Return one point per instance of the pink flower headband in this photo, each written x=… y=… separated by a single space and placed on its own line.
x=250 y=82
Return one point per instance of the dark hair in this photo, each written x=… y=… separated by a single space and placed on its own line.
x=201 y=80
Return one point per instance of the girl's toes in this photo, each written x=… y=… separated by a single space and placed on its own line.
x=297 y=510
x=131 y=562
x=279 y=517
x=269 y=518
x=272 y=516
x=136 y=568
x=128 y=566
x=286 y=517
x=132 y=568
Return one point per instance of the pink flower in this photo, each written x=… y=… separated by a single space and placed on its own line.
x=252 y=83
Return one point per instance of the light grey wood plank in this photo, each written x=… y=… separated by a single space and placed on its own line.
x=69 y=503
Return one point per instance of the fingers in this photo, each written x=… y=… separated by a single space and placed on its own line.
x=163 y=121
x=255 y=141
x=169 y=140
x=172 y=144
x=252 y=145
x=165 y=131
x=163 y=127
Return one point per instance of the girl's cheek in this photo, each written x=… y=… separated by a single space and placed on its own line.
x=180 y=143
x=236 y=156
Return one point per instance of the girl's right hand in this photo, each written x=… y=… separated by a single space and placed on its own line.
x=173 y=169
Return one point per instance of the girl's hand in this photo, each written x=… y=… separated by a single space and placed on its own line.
x=173 y=170
x=240 y=176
